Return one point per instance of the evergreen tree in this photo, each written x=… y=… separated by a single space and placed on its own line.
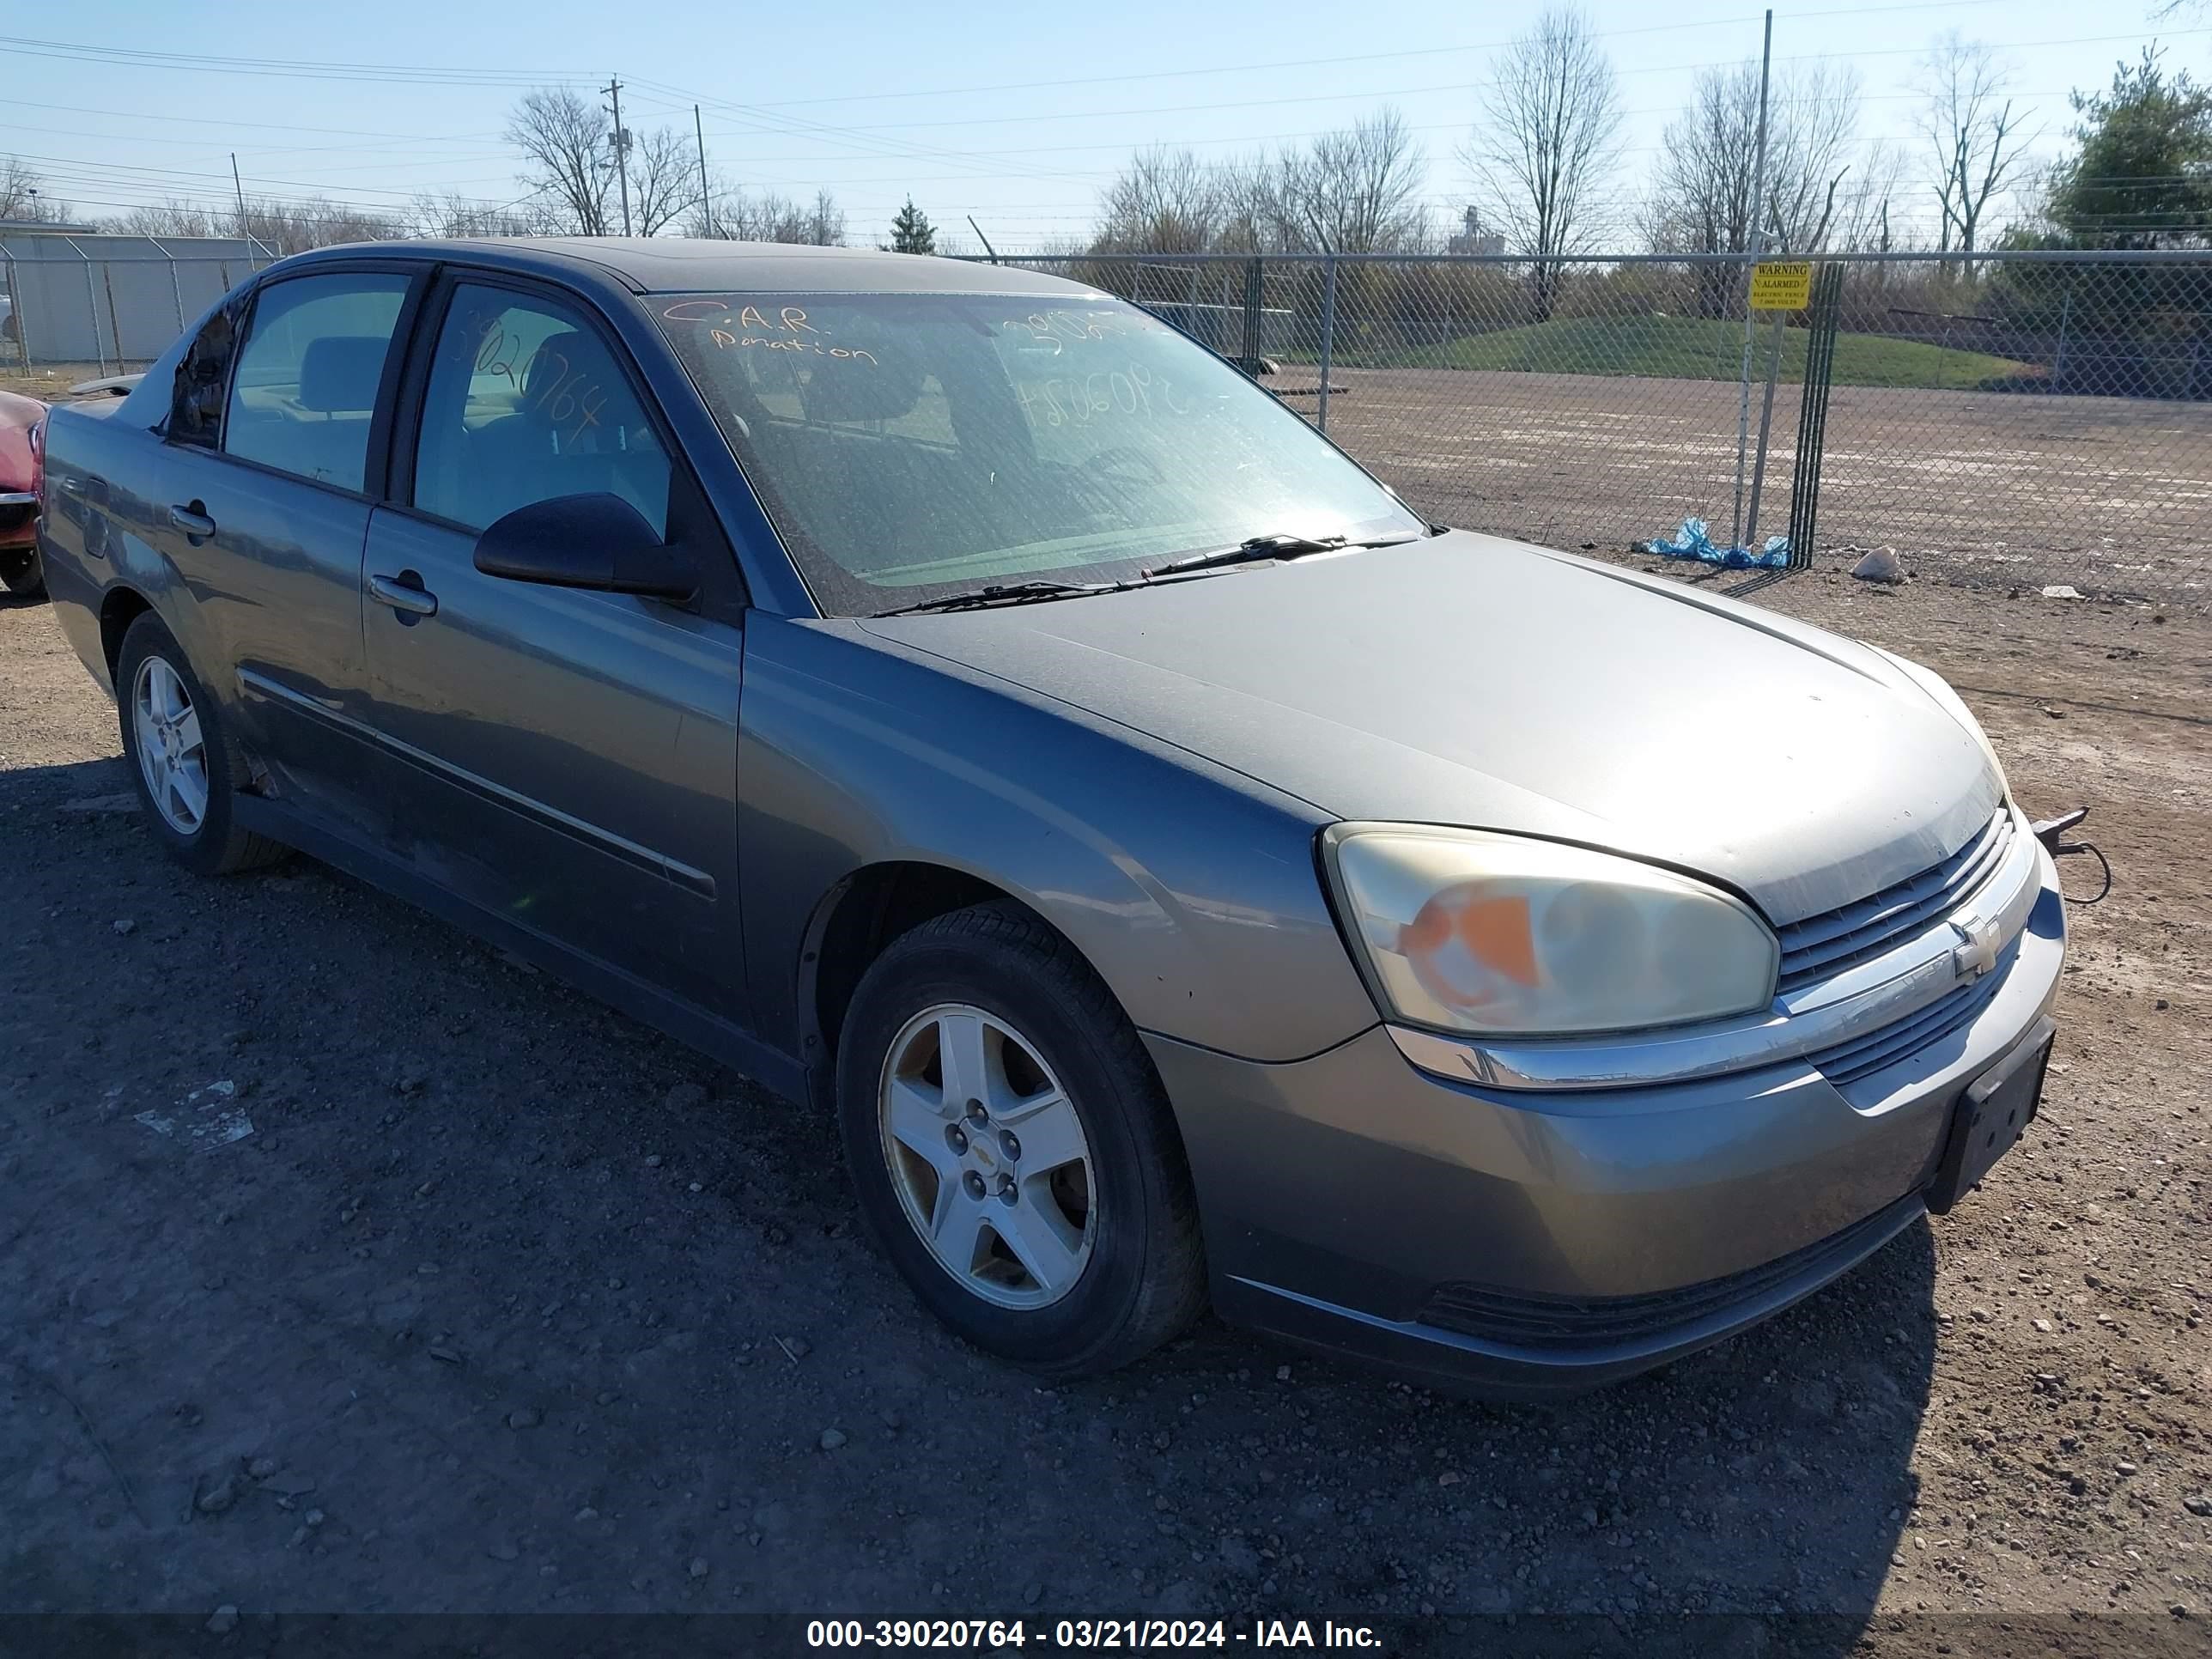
x=911 y=231
x=2142 y=177
x=2141 y=180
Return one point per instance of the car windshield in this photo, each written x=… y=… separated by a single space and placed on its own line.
x=913 y=446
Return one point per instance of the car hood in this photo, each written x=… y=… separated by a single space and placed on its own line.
x=1468 y=680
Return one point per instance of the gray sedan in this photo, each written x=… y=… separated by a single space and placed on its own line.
x=951 y=696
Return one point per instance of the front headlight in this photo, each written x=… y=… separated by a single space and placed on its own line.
x=1470 y=931
x=1940 y=689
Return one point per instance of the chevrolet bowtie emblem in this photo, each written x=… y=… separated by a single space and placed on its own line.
x=1976 y=951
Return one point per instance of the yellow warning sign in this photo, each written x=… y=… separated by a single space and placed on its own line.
x=1787 y=286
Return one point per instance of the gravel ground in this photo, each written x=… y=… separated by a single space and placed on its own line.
x=347 y=1267
x=2110 y=495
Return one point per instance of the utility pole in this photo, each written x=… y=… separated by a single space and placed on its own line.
x=705 y=196
x=613 y=89
x=241 y=189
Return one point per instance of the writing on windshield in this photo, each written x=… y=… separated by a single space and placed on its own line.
x=787 y=329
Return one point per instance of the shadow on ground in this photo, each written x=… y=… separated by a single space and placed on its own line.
x=444 y=1289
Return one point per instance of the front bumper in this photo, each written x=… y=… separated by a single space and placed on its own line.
x=1519 y=1240
x=19 y=519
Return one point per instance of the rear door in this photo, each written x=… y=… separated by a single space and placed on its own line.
x=570 y=758
x=267 y=479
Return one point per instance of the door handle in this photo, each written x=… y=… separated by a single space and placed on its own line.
x=403 y=596
x=192 y=521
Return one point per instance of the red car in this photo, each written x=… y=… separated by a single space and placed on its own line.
x=23 y=458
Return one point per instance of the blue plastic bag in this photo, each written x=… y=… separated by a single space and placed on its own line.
x=1692 y=542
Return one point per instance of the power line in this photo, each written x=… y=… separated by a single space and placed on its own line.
x=1338 y=60
x=428 y=74
x=201 y=121
x=889 y=148
x=292 y=68
x=873 y=142
x=1125 y=146
x=118 y=174
x=1435 y=87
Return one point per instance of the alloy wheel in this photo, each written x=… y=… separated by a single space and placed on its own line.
x=988 y=1156
x=171 y=757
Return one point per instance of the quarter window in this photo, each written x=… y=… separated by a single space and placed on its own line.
x=304 y=394
x=196 y=397
x=526 y=403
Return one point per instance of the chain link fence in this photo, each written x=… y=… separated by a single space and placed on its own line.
x=77 y=306
x=2007 y=420
x=2012 y=419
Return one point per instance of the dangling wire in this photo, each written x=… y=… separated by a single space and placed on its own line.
x=2049 y=831
x=2089 y=847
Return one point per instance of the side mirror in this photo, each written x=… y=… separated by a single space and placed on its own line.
x=597 y=541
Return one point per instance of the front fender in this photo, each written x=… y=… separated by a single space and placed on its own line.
x=1191 y=890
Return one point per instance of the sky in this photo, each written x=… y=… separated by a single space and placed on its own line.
x=1016 y=114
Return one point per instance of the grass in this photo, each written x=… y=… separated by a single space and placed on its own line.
x=1694 y=348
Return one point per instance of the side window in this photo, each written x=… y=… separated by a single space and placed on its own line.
x=304 y=393
x=526 y=403
x=196 y=400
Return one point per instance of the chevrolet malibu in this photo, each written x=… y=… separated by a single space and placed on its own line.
x=958 y=701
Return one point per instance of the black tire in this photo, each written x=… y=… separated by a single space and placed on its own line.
x=23 y=573
x=1144 y=1280
x=217 y=846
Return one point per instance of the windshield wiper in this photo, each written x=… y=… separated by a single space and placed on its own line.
x=975 y=599
x=1281 y=545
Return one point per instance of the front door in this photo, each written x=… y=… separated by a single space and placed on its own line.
x=568 y=758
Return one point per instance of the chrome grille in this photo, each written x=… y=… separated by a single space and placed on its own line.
x=1821 y=946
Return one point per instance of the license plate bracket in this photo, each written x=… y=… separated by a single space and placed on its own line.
x=1991 y=1113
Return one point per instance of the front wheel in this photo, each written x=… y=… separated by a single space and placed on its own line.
x=1012 y=1149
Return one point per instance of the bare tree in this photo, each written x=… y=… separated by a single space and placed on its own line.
x=826 y=222
x=1974 y=132
x=1812 y=129
x=1163 y=202
x=1869 y=212
x=23 y=194
x=452 y=214
x=294 y=227
x=740 y=216
x=1548 y=144
x=176 y=218
x=279 y=225
x=1358 y=190
x=664 y=178
x=1703 y=191
x=1353 y=190
x=565 y=139
x=1255 y=204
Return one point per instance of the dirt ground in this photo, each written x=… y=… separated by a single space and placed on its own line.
x=345 y=1266
x=2111 y=495
x=51 y=381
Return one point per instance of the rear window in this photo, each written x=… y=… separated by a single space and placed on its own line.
x=304 y=391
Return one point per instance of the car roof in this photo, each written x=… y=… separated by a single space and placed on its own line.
x=673 y=264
